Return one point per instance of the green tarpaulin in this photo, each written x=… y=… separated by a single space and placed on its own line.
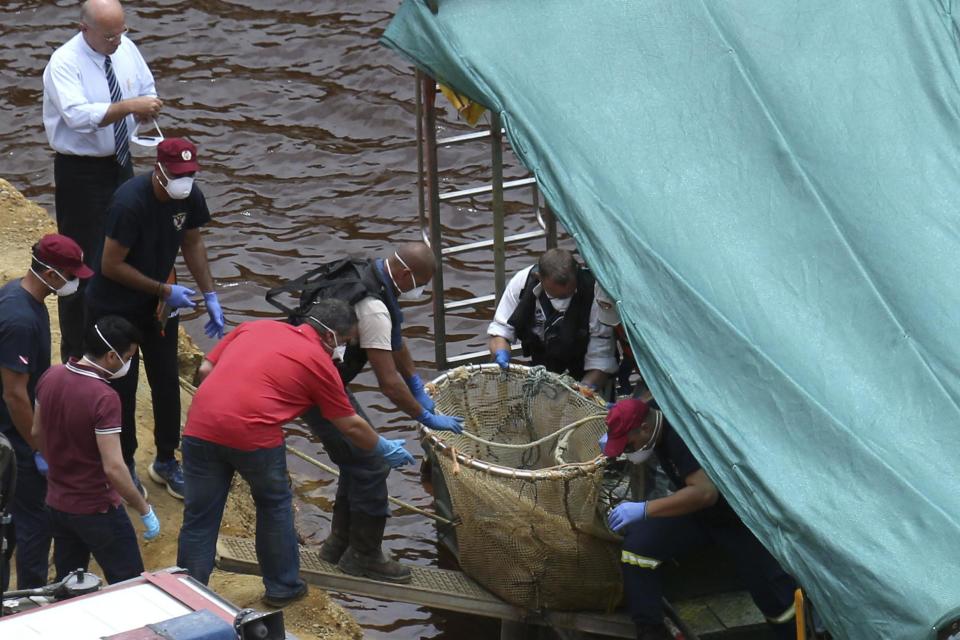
x=771 y=191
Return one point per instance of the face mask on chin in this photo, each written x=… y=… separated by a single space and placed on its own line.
x=177 y=188
x=68 y=288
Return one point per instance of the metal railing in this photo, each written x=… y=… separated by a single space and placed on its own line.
x=431 y=199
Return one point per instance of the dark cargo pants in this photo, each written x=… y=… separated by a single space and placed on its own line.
x=363 y=474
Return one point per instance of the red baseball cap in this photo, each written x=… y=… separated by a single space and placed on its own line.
x=178 y=156
x=624 y=417
x=62 y=253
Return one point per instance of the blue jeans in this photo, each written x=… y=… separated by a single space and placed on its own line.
x=208 y=471
x=31 y=526
x=109 y=536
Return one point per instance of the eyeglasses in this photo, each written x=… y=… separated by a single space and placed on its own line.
x=116 y=37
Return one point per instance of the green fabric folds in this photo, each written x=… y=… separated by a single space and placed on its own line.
x=770 y=191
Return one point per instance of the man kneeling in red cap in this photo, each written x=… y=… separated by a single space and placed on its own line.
x=695 y=514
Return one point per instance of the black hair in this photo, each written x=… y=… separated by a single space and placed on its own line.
x=116 y=330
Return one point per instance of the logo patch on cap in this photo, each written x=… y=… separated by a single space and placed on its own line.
x=24 y=360
x=185 y=155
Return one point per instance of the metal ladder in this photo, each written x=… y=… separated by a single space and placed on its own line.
x=430 y=201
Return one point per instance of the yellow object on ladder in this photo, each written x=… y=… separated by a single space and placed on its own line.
x=468 y=109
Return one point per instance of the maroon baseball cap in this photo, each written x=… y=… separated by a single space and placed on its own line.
x=178 y=156
x=62 y=253
x=624 y=417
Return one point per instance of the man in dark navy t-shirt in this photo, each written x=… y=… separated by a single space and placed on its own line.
x=695 y=514
x=56 y=267
x=150 y=220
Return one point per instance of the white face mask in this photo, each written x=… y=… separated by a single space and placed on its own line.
x=639 y=457
x=124 y=366
x=560 y=304
x=413 y=294
x=642 y=455
x=339 y=350
x=178 y=188
x=68 y=288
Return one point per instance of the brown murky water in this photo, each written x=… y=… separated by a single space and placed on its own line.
x=306 y=133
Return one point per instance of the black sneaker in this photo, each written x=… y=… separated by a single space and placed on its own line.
x=281 y=602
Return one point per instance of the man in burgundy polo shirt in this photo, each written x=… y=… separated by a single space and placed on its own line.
x=77 y=427
x=261 y=376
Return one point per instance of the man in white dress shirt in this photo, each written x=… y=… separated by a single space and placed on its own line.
x=95 y=89
x=550 y=309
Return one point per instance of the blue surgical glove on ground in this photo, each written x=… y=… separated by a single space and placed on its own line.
x=502 y=358
x=626 y=513
x=420 y=393
x=214 y=326
x=393 y=452
x=152 y=524
x=41 y=463
x=179 y=297
x=441 y=423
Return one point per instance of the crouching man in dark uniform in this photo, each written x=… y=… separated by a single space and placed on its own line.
x=658 y=530
x=373 y=288
x=549 y=307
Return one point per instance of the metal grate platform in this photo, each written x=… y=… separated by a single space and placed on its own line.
x=439 y=588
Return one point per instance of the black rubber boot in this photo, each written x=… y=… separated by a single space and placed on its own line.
x=339 y=538
x=364 y=556
x=652 y=632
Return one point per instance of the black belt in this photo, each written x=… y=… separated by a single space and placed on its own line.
x=87 y=159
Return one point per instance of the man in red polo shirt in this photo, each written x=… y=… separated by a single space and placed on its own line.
x=261 y=376
x=76 y=424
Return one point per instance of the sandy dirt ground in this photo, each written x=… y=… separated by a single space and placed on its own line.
x=22 y=223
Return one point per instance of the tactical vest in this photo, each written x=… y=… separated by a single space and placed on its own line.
x=566 y=335
x=350 y=281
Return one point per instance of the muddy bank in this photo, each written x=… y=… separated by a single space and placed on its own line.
x=22 y=223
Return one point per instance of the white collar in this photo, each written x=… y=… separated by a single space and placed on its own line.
x=83 y=372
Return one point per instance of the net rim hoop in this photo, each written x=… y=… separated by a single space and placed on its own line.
x=563 y=471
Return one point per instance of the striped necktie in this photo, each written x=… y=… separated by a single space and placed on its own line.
x=120 y=137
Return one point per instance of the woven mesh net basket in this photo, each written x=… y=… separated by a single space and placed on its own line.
x=526 y=480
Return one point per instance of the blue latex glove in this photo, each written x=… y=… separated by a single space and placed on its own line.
x=152 y=524
x=420 y=393
x=441 y=423
x=602 y=442
x=179 y=297
x=214 y=326
x=626 y=513
x=42 y=466
x=393 y=452
x=502 y=358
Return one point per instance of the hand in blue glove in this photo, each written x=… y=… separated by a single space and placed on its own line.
x=393 y=452
x=214 y=326
x=41 y=463
x=626 y=513
x=180 y=297
x=420 y=393
x=152 y=524
x=602 y=442
x=502 y=358
x=441 y=423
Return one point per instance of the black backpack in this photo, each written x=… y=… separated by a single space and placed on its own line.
x=347 y=279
